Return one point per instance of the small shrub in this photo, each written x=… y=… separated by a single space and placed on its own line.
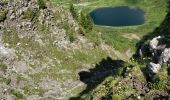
x=29 y=14
x=89 y=22
x=168 y=70
x=20 y=78
x=17 y=94
x=156 y=85
x=154 y=78
x=3 y=67
x=5 y=80
x=83 y=21
x=2 y=15
x=41 y=4
x=6 y=37
x=116 y=97
x=71 y=38
x=73 y=12
x=8 y=81
x=10 y=38
x=15 y=38
x=57 y=15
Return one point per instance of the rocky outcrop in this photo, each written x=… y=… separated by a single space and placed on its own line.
x=153 y=68
x=155 y=42
x=160 y=55
x=31 y=40
x=165 y=56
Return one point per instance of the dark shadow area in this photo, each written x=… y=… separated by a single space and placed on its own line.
x=162 y=98
x=95 y=76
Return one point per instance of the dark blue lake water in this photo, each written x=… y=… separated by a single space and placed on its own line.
x=118 y=16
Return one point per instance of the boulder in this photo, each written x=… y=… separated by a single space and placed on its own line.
x=12 y=16
x=20 y=11
x=155 y=42
x=26 y=3
x=165 y=56
x=153 y=68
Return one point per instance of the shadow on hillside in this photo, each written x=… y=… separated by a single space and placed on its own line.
x=95 y=76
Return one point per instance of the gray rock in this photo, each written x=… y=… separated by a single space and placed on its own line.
x=153 y=68
x=33 y=97
x=140 y=53
x=26 y=3
x=11 y=11
x=12 y=16
x=20 y=11
x=155 y=42
x=1 y=26
x=129 y=53
x=27 y=25
x=165 y=56
x=6 y=51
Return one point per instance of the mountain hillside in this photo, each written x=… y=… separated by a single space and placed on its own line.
x=51 y=50
x=42 y=49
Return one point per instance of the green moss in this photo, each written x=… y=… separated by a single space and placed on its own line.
x=11 y=38
x=57 y=15
x=86 y=22
x=43 y=28
x=20 y=78
x=116 y=97
x=2 y=79
x=41 y=4
x=2 y=15
x=8 y=81
x=6 y=36
x=33 y=91
x=73 y=12
x=3 y=67
x=18 y=95
x=5 y=80
x=157 y=85
x=30 y=14
x=16 y=38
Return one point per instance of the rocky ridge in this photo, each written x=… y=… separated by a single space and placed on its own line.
x=160 y=55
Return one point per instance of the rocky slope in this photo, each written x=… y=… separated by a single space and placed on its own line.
x=42 y=50
x=44 y=55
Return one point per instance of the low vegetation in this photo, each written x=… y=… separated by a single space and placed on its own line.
x=73 y=12
x=30 y=14
x=2 y=15
x=98 y=58
x=11 y=38
x=18 y=95
x=3 y=67
x=83 y=19
x=86 y=22
x=41 y=4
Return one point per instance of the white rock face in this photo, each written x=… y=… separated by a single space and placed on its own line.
x=12 y=17
x=6 y=51
x=154 y=68
x=165 y=56
x=154 y=42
